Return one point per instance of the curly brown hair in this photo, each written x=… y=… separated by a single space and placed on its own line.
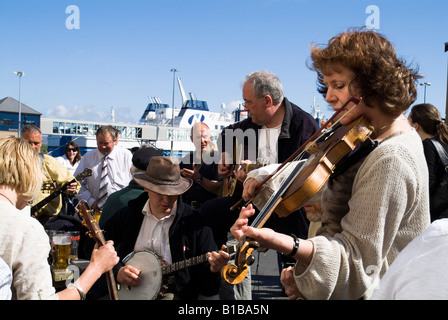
x=382 y=78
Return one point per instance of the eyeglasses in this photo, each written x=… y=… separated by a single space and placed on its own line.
x=72 y=149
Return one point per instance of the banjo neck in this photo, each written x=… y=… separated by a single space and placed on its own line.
x=168 y=269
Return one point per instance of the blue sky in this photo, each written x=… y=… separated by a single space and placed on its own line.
x=124 y=50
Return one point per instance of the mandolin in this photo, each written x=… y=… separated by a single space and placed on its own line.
x=95 y=233
x=231 y=185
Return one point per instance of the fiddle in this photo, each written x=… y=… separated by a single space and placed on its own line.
x=305 y=180
x=307 y=146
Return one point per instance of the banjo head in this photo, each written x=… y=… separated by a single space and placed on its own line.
x=151 y=275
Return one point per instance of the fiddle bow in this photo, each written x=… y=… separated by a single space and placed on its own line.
x=305 y=180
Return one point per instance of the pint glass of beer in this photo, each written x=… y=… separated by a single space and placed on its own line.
x=75 y=237
x=61 y=250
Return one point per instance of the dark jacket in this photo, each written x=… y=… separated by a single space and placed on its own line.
x=189 y=237
x=297 y=127
x=437 y=176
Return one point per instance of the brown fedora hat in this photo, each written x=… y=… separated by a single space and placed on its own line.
x=163 y=176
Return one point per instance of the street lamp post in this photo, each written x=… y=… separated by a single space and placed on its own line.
x=174 y=70
x=20 y=74
x=425 y=84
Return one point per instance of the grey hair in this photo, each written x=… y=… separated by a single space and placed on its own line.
x=31 y=128
x=266 y=83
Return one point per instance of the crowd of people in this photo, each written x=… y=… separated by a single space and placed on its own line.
x=372 y=227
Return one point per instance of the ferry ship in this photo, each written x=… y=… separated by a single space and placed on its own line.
x=192 y=111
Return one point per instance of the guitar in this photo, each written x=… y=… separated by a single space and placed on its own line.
x=91 y=223
x=154 y=273
x=34 y=209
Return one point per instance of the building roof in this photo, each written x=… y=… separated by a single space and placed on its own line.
x=9 y=104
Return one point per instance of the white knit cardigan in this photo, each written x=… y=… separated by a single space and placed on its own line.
x=365 y=227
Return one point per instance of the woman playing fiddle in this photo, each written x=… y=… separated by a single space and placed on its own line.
x=373 y=209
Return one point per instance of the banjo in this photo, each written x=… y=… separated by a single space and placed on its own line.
x=153 y=273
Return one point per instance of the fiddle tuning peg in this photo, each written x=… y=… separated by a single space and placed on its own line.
x=250 y=260
x=254 y=244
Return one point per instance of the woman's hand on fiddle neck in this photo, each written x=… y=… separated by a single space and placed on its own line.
x=269 y=239
x=241 y=229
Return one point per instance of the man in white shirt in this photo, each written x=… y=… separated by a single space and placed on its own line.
x=118 y=162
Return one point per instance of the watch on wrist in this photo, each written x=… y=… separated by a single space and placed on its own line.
x=199 y=180
x=296 y=245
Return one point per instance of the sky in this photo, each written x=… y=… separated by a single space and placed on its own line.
x=81 y=58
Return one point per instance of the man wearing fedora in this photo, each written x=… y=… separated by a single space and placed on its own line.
x=160 y=222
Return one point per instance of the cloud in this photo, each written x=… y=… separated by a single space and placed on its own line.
x=233 y=105
x=89 y=113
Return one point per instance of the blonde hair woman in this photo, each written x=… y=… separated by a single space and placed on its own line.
x=24 y=244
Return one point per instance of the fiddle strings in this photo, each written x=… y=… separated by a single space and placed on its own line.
x=268 y=207
x=298 y=155
x=301 y=150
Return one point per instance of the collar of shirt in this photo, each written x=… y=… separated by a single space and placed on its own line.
x=110 y=155
x=146 y=211
x=154 y=234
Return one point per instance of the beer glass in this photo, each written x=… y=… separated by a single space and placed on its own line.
x=50 y=236
x=75 y=237
x=61 y=251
